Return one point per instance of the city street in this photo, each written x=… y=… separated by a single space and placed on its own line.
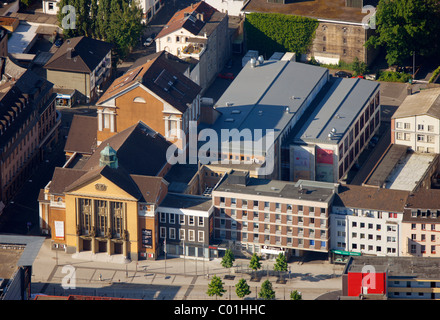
x=58 y=273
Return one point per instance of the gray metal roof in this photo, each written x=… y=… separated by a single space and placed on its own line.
x=338 y=109
x=32 y=247
x=267 y=96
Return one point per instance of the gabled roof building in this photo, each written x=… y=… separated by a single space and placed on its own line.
x=103 y=205
x=83 y=64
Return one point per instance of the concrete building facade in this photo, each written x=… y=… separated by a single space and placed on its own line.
x=271 y=217
x=198 y=32
x=416 y=123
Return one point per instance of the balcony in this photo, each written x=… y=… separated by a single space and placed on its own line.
x=193 y=50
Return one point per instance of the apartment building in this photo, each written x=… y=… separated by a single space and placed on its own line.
x=416 y=123
x=154 y=92
x=421 y=224
x=28 y=126
x=367 y=220
x=271 y=216
x=185 y=226
x=390 y=278
x=341 y=32
x=198 y=32
x=83 y=64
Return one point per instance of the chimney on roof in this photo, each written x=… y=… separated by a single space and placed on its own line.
x=69 y=53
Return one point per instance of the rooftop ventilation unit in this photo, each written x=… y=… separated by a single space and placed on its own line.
x=253 y=62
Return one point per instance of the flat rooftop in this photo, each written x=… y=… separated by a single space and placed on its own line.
x=385 y=166
x=409 y=170
x=8 y=261
x=337 y=110
x=317 y=9
x=267 y=96
x=413 y=267
x=180 y=201
x=300 y=190
x=21 y=38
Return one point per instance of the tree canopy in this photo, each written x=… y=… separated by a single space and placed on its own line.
x=115 y=21
x=215 y=287
x=242 y=288
x=280 y=263
x=266 y=292
x=405 y=27
x=228 y=259
x=255 y=263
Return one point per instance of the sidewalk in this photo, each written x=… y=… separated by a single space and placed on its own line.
x=183 y=279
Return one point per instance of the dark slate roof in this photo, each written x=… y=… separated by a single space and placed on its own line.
x=156 y=74
x=188 y=19
x=86 y=54
x=140 y=150
x=63 y=177
x=82 y=135
x=361 y=197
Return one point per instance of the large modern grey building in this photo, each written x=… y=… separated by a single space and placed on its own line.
x=320 y=124
x=331 y=139
x=268 y=96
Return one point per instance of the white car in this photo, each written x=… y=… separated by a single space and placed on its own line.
x=148 y=42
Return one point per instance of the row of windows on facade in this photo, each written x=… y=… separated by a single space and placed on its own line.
x=105 y=216
x=354 y=224
x=420 y=137
x=347 y=161
x=255 y=203
x=422 y=249
x=256 y=225
x=174 y=218
x=172 y=234
x=420 y=127
x=254 y=237
x=255 y=215
x=359 y=125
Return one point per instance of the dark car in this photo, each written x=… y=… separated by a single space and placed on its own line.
x=343 y=74
x=58 y=43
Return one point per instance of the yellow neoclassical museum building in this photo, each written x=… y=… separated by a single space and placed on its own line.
x=103 y=206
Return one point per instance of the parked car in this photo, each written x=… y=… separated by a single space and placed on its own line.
x=58 y=43
x=360 y=77
x=227 y=75
x=343 y=74
x=148 y=42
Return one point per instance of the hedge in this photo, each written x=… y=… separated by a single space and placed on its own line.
x=276 y=32
x=392 y=76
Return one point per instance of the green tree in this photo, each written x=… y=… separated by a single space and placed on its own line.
x=267 y=292
x=228 y=259
x=270 y=32
x=295 y=295
x=125 y=26
x=280 y=263
x=255 y=263
x=215 y=287
x=359 y=67
x=103 y=19
x=242 y=288
x=405 y=27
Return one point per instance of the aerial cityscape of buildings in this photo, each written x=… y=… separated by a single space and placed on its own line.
x=200 y=144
